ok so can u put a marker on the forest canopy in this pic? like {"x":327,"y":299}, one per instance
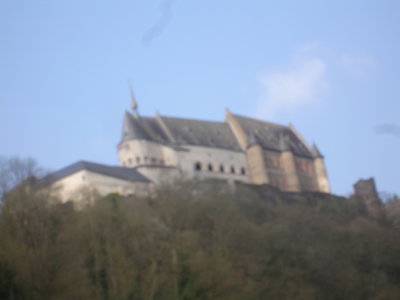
{"x":198,"y":241}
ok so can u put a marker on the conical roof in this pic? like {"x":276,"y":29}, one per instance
{"x":131,"y":128}
{"x":315,"y":151}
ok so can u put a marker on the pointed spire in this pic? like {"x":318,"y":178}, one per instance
{"x":134,"y":103}
{"x":315,"y":151}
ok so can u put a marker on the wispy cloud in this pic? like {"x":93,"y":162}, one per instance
{"x":157,"y":29}
{"x":388,"y":128}
{"x":297,"y":85}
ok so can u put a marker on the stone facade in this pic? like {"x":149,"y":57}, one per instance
{"x":161,"y":150}
{"x":238,"y":149}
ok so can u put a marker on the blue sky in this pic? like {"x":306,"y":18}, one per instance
{"x":329,"y":67}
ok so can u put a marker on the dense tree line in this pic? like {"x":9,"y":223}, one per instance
{"x":198,"y":241}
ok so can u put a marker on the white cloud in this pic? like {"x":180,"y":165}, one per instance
{"x":297,"y":85}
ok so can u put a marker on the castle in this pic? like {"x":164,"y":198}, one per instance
{"x":157,"y":150}
{"x":239,"y":148}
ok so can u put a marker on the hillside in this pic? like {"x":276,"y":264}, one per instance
{"x":199,"y":241}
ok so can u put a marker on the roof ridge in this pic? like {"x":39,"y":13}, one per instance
{"x":259,"y":120}
{"x":128,"y":173}
{"x":195,"y":120}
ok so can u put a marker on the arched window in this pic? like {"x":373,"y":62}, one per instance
{"x":210,"y":167}
{"x":221,"y":168}
{"x":197,"y":166}
{"x":243,"y":171}
{"x":232,"y":169}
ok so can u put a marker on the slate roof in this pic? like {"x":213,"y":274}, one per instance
{"x":183,"y":131}
{"x":202,"y":133}
{"x":214,"y":134}
{"x":273,"y":136}
{"x":142,"y":128}
{"x":315,"y":151}
{"x":112,"y":171}
{"x":131,"y":128}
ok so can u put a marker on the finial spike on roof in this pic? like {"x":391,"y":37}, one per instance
{"x":134,"y":103}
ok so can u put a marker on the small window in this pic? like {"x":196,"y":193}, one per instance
{"x":161,"y":161}
{"x":210,"y":167}
{"x":130,"y":161}
{"x":146,"y":158}
{"x":197,"y":166}
{"x":153,"y":160}
{"x":232,"y":169}
{"x":243,"y":171}
{"x":138,"y":159}
{"x":221,"y":168}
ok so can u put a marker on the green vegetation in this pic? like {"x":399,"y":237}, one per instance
{"x":198,"y":241}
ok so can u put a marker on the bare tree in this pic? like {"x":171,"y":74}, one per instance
{"x":14,"y":171}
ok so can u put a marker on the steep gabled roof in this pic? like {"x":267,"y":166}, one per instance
{"x":111,"y":171}
{"x":181,"y":131}
{"x":274,"y":137}
{"x":201,"y":133}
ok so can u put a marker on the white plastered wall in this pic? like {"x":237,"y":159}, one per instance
{"x":75,"y":186}
{"x":72,"y":187}
{"x":105,"y":185}
{"x":146,"y":151}
{"x":216,"y":157}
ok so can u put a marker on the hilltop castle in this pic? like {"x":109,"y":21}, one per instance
{"x":156,"y":150}
{"x":239,"y":148}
